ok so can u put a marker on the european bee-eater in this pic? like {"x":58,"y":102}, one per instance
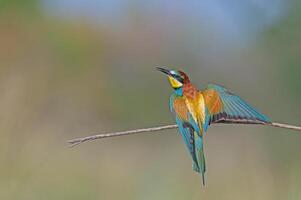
{"x":195,"y":110}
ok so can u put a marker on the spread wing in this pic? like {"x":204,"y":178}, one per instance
{"x":223,"y":106}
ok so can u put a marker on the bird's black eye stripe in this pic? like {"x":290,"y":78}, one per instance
{"x":178,"y":77}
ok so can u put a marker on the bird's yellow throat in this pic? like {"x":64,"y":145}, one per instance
{"x":174,"y":82}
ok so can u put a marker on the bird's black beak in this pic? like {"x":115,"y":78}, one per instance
{"x":165,"y":71}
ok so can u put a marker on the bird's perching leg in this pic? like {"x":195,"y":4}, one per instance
{"x":77,"y":141}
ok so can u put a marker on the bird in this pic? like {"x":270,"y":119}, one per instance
{"x":195,"y":110}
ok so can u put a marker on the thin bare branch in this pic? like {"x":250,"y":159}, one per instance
{"x":77,"y":141}
{"x":287,"y":126}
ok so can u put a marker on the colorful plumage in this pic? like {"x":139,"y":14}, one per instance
{"x":195,"y":110}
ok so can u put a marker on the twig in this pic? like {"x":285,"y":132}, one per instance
{"x":287,"y":126}
{"x":77,"y":141}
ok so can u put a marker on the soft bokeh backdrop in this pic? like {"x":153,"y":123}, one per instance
{"x":71,"y":68}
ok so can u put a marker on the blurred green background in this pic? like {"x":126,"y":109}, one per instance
{"x":74,"y":68}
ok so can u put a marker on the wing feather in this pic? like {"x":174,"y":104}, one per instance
{"x":226,"y":107}
{"x":179,"y":109}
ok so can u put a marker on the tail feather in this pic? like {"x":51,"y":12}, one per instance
{"x":202,"y":165}
{"x":195,"y":167}
{"x":200,"y":157}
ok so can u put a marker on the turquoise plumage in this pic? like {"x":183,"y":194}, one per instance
{"x":235,"y":109}
{"x":195,"y":110}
